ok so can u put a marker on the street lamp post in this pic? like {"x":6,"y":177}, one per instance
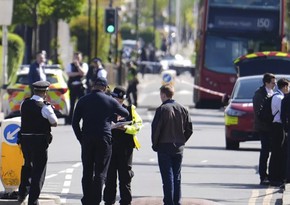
{"x":6,"y":10}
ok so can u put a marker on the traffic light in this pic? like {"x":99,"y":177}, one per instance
{"x":110,"y":20}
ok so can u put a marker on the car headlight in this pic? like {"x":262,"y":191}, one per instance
{"x":233,"y":112}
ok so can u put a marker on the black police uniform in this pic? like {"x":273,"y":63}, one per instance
{"x":34,"y":139}
{"x":96,"y":111}
{"x":121,"y":161}
{"x":76,"y":91}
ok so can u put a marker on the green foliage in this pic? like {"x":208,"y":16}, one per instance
{"x":126,"y":31}
{"x":147,"y":35}
{"x":79,"y":32}
{"x":79,"y":29}
{"x":26,"y":12}
{"x":16,"y":48}
{"x":66,"y":9}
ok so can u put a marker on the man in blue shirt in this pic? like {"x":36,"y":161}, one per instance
{"x":96,"y":111}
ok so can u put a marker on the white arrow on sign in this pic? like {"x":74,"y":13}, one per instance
{"x":10,"y":135}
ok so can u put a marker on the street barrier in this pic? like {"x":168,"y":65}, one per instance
{"x":11,"y":159}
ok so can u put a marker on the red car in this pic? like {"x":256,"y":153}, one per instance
{"x":239,"y":114}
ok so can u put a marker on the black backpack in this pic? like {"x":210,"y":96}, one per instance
{"x":265,"y":112}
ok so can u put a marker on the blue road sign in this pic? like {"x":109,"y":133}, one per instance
{"x":11,"y":133}
{"x":167,"y":78}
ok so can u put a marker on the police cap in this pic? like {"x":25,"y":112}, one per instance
{"x":101,"y":81}
{"x":119,"y":92}
{"x":41,"y":85}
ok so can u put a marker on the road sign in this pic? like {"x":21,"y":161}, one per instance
{"x":11,"y":159}
{"x":168,"y":77}
{"x":11,"y":133}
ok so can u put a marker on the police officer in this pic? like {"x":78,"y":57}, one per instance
{"x":76,"y":71}
{"x":95,"y":70}
{"x":132,"y":84}
{"x":96,"y":111}
{"x":124,"y":141}
{"x":37,"y":118}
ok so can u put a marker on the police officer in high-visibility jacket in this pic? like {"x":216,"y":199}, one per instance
{"x":37,"y":118}
{"x":124,"y":141}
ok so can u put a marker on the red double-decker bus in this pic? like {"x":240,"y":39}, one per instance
{"x":227,"y":29}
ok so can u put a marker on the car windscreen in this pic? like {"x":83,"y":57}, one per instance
{"x":276,"y":65}
{"x":23,"y":79}
{"x":245,"y":89}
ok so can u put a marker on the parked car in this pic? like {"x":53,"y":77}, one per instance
{"x":176,"y":62}
{"x":18,"y":89}
{"x":239,"y":114}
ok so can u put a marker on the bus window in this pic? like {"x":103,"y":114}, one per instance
{"x":220,"y":53}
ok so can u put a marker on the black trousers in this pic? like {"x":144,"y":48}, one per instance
{"x":34,"y":149}
{"x":121,"y":166}
{"x":264,"y":153}
{"x":96,"y":155}
{"x":75,"y":92}
{"x":277,"y":164}
{"x":132,"y":99}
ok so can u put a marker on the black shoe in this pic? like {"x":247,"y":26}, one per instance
{"x":265,"y":182}
{"x":20,"y":199}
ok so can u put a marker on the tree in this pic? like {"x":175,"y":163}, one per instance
{"x":36,"y":12}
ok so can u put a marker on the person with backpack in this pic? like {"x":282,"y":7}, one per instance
{"x":277,"y":164}
{"x":263,"y":128}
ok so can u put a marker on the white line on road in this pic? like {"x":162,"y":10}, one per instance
{"x":253,"y":198}
{"x":268,"y":197}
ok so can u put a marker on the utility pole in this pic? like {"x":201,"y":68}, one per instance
{"x":89,"y":29}
{"x":177,"y":25}
{"x":96,"y":28}
{"x":169,"y":25}
{"x":137,"y":19}
{"x":154,"y":23}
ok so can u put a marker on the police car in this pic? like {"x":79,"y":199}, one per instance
{"x":18,"y":89}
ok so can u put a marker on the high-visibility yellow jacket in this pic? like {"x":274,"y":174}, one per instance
{"x":135,"y":127}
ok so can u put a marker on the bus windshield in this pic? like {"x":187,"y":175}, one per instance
{"x":220,"y":51}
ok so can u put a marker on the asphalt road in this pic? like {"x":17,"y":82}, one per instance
{"x":210,"y":174}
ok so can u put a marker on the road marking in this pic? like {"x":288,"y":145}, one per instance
{"x":51,"y":176}
{"x":253,"y":198}
{"x":268,"y":197}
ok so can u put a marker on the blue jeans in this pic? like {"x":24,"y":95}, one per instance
{"x":170,"y":169}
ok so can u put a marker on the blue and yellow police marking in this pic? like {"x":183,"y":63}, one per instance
{"x":11,"y":159}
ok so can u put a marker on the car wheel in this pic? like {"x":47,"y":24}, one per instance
{"x":230,"y":145}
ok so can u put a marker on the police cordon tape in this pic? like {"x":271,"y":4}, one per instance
{"x":206,"y":90}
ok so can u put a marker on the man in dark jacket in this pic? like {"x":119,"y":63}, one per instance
{"x":36,"y":70}
{"x":96,"y":111}
{"x":171,"y":128}
{"x":263,"y":129}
